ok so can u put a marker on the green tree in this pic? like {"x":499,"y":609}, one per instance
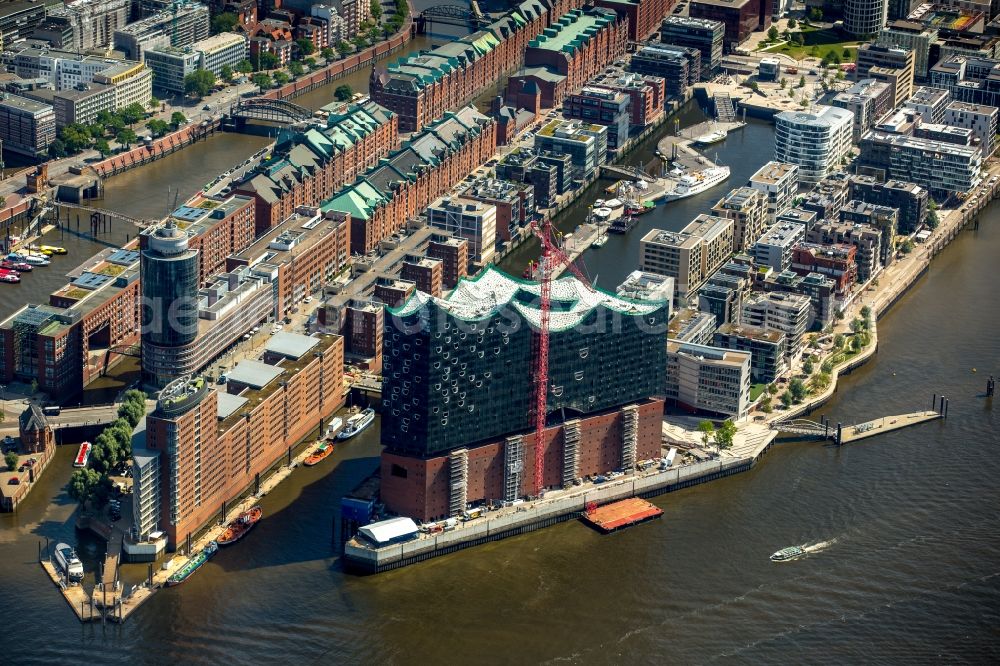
{"x":857,"y":325}
{"x":802,"y":81}
{"x":815,"y":14}
{"x":199,"y":83}
{"x":296,"y":69}
{"x":82,"y":485}
{"x":376,"y":8}
{"x":224,"y":22}
{"x":157,"y":127}
{"x":262,"y":80}
{"x":310,"y":62}
{"x":116,"y":124}
{"x":787,"y":399}
{"x":75,"y":137}
{"x":343,"y":93}
{"x":807,"y":367}
{"x":305,"y":47}
{"x":725,"y":434}
{"x":783,"y":82}
{"x":244,"y":66}
{"x":96,"y":129}
{"x":866,"y":313}
{"x":264,"y":60}
{"x":131,"y":412}
{"x":11,"y":459}
{"x":826,"y":367}
{"x":58,"y":149}
{"x":819,"y":382}
{"x":767,"y":408}
{"x":153,"y":103}
{"x":126,"y":137}
{"x":803,"y":102}
{"x":104,"y":117}
{"x":177,"y":119}
{"x":280,"y":77}
{"x":846,"y":53}
{"x":932,"y":220}
{"x":772,"y":32}
{"x":772,"y":388}
{"x":226,"y":73}
{"x":359,"y":41}
{"x":343,"y":48}
{"x":707,"y":430}
{"x":792,"y":23}
{"x":135,"y":396}
{"x":327,"y":53}
{"x":102,"y":146}
{"x":840,"y":75}
{"x":133,"y":113}
{"x":798,"y":389}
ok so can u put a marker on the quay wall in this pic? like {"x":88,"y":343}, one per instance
{"x":531,"y":518}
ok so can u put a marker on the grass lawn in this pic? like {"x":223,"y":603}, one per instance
{"x":756,"y":390}
{"x":818,"y":43}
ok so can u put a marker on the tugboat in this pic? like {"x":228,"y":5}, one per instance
{"x":238,"y":529}
{"x":69,"y":563}
{"x":319,"y":455}
{"x":786,"y":554}
{"x":193,"y":564}
{"x":357,"y":423}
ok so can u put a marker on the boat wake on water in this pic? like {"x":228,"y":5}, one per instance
{"x":795,"y":552}
{"x":818,"y":547}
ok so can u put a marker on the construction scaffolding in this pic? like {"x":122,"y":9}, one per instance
{"x":458,"y":478}
{"x":571,"y":452}
{"x":630,"y":437}
{"x":513,"y":467}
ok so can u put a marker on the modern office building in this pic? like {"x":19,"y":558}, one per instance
{"x":708,"y":379}
{"x":815,"y":141}
{"x":514,"y":202}
{"x":688,"y":256}
{"x":767,"y":349}
{"x":911,"y":35}
{"x":91,"y":23}
{"x":600,"y":106}
{"x":979,"y":118}
{"x":819,"y":289}
{"x":472,"y":220}
{"x":640,"y":286}
{"x":647,"y":93}
{"x":27,"y":127}
{"x":929,"y":103}
{"x":774,"y":248}
{"x":183,"y":24}
{"x":170,"y":291}
{"x":170,"y":65}
{"x":943,"y":168}
{"x":209,"y":444}
{"x":221,"y":50}
{"x":706,"y":35}
{"x":18,"y":19}
{"x":865,"y":18}
{"x":869,"y":101}
{"x":909,"y":199}
{"x":692,"y":325}
{"x":458,"y":390}
{"x":890,"y":64}
{"x":747,"y":208}
{"x":585,"y":143}
{"x":790,"y":314}
{"x":716,"y":236}
{"x":82,"y":103}
{"x":131,"y":81}
{"x":741,"y":17}
{"x":779,"y":181}
{"x":679,"y":66}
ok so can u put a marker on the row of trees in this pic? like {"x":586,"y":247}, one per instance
{"x":111,"y":449}
{"x":723,"y":435}
{"x":107,"y":125}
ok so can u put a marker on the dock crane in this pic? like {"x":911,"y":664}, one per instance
{"x":552,"y":258}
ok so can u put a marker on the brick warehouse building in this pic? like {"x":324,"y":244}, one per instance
{"x":644,"y":16}
{"x":422,"y":87}
{"x":458,"y":392}
{"x":208,"y":446}
{"x":405,"y":183}
{"x":567,"y":54}
{"x":308,"y":167}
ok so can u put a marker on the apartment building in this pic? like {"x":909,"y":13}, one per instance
{"x":600,"y":106}
{"x":708,"y":379}
{"x":979,"y":118}
{"x":182,"y":25}
{"x":747,"y":208}
{"x":942,"y":168}
{"x":779,"y":182}
{"x":475,"y":221}
{"x":814,"y":141}
{"x":774,"y":248}
{"x":706,"y":35}
{"x":909,"y":199}
{"x":27,"y":127}
{"x":768,"y":350}
{"x":869,"y":101}
{"x":789,"y":314}
{"x":585,"y":143}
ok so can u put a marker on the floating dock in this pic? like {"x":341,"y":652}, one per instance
{"x":621,"y":514}
{"x":74,"y":595}
{"x":885,"y":424}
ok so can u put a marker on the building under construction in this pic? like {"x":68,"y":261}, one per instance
{"x":460,"y":384}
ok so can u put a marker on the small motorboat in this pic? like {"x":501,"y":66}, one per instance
{"x":357,"y":423}
{"x":321,"y":453}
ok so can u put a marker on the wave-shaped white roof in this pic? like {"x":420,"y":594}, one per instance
{"x":480,"y":297}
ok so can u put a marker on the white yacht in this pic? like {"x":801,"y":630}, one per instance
{"x":697,"y":182}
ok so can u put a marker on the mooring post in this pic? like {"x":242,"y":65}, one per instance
{"x":933,"y":402}
{"x":945,"y":409}
{"x":941,"y":407}
{"x":840,"y":434}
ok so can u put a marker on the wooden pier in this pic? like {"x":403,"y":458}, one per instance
{"x":79,"y":601}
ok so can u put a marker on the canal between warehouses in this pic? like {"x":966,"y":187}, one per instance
{"x":905,"y":564}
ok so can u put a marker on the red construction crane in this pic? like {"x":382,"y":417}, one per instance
{"x":552,"y":258}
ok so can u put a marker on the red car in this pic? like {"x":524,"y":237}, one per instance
{"x":9,"y":276}
{"x":18,"y":266}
